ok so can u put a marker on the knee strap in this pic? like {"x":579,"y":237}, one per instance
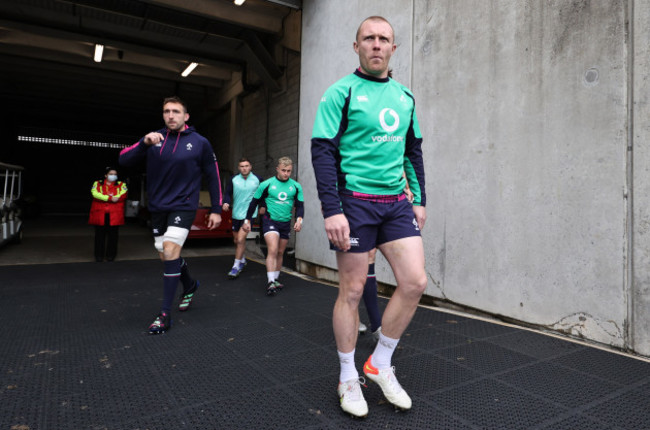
{"x":176,"y":235}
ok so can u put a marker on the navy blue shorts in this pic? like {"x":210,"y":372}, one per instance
{"x":236,"y":224}
{"x":374,"y":223}
{"x":283,"y":228}
{"x":161,"y":220}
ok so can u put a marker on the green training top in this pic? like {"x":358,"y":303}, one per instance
{"x":280,"y":198}
{"x":365,"y":137}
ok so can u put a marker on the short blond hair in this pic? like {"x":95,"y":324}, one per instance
{"x":375,"y":18}
{"x":285,"y":161}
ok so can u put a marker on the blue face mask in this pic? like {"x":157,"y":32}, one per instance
{"x":112,"y":178}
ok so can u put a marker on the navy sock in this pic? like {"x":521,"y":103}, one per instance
{"x":186,"y":279}
{"x":370,"y":299}
{"x":171,"y":277}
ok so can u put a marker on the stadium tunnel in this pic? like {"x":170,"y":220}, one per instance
{"x":66,"y":116}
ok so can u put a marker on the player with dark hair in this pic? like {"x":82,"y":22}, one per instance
{"x":238,"y":196}
{"x":176,"y":159}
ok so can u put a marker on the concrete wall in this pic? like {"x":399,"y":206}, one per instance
{"x":640,"y":142}
{"x":534,"y":210}
{"x":269,"y":122}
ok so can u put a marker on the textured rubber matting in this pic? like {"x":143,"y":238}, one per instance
{"x":75,"y":354}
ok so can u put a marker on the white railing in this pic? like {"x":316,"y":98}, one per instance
{"x":12,"y":190}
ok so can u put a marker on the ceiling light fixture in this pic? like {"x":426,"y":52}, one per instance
{"x":99,"y":51}
{"x":189,"y":69}
{"x":239,"y":2}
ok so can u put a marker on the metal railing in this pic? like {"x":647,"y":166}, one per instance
{"x":12,"y":190}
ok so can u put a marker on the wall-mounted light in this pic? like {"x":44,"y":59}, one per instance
{"x":99,"y":51}
{"x":189,"y":69}
{"x":239,"y":2}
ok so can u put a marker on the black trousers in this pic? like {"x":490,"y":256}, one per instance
{"x":106,"y":240}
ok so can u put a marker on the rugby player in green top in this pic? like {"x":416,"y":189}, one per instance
{"x":365,"y":138}
{"x":280,"y":194}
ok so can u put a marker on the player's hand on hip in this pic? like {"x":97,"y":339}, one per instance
{"x":214,"y":220}
{"x":409,"y":195}
{"x":153,"y":138}
{"x":338,"y":231}
{"x":420,"y":215}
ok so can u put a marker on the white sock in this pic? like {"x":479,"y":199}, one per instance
{"x":243,"y":261}
{"x":384,"y":351}
{"x":276,"y":275}
{"x":269,"y":276}
{"x":235,"y":264}
{"x":348,"y":369}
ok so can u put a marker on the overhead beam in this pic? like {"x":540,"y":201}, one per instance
{"x":114,"y":38}
{"x":294,"y":4}
{"x":117,"y":56}
{"x":157,"y":29}
{"x":252,"y":14}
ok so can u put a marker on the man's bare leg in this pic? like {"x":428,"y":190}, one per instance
{"x":406,"y":258}
{"x":240,"y":243}
{"x":279,"y":259}
{"x":272,"y":246}
{"x":239,"y":238}
{"x":352,"y":276}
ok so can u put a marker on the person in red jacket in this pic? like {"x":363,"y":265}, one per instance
{"x":107,"y":213}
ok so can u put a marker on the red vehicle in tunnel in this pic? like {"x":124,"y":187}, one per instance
{"x":199,"y":229}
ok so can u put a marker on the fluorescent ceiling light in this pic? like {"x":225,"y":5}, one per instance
{"x":99,"y":51}
{"x":189,"y":69}
{"x":239,"y":2}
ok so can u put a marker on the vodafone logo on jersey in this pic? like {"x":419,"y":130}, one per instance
{"x":389,"y":121}
{"x":382,"y":120}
